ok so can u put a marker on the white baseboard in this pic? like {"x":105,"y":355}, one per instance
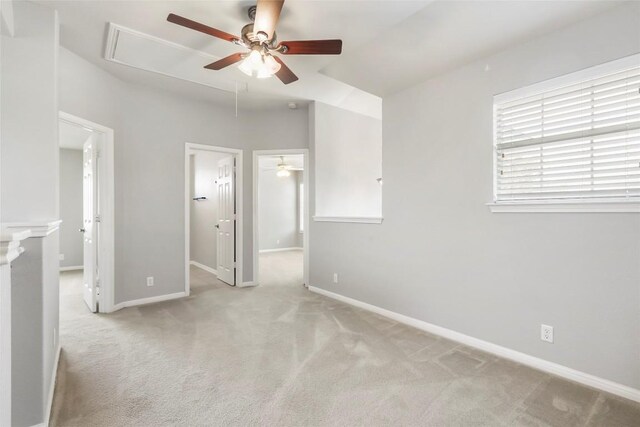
{"x":72,"y":268}
{"x":52,"y":387}
{"x":204,"y":267}
{"x":507,"y":353}
{"x":150,"y":300}
{"x":361,"y":219}
{"x":266,"y":251}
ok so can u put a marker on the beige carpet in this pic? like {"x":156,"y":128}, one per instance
{"x":280,"y":355}
{"x":282,"y":269}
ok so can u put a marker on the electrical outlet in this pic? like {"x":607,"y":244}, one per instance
{"x":61,"y":257}
{"x":546,"y":333}
{"x":335,"y":277}
{"x":277,"y":242}
{"x":149,"y":281}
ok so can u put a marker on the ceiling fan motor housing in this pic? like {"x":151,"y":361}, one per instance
{"x":252,"y":12}
{"x":249,"y":38}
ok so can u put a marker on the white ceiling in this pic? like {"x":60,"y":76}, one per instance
{"x":141,"y":51}
{"x":388,"y":44}
{"x":447,"y":34}
{"x":72,"y":136}
{"x":296,"y":161}
{"x":84,"y":28}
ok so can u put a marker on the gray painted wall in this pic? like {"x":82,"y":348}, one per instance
{"x":27,"y":390}
{"x":204,"y":213}
{"x":441,"y":256}
{"x":29,"y":116}
{"x":278,"y":210}
{"x":34,"y":340}
{"x":29,"y":192}
{"x":348,"y":157}
{"x":151,"y":129}
{"x":71,"y":245}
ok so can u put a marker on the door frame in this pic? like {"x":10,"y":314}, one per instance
{"x":189,"y":149}
{"x":256,"y":223}
{"x":105,"y":248}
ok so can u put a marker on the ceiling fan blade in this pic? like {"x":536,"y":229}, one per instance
{"x":313,"y":47}
{"x":201,"y":27}
{"x":224,"y":62}
{"x":285,"y":75}
{"x":267,"y":15}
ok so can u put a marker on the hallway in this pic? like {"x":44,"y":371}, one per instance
{"x":283,"y":269}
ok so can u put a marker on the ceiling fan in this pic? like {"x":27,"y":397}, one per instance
{"x":284,"y":169}
{"x":260,"y":38}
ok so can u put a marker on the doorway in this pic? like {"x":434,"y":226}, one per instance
{"x":280,"y":217}
{"x":86,"y":209}
{"x":213,"y":213}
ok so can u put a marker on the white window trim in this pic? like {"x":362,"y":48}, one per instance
{"x":569,"y":205}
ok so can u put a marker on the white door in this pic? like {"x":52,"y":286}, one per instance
{"x":226,"y":221}
{"x":89,"y":229}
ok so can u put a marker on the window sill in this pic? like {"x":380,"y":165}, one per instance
{"x":362,"y":220}
{"x":566,"y":207}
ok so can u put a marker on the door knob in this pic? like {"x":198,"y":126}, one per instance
{"x":82,"y":230}
{"x":217,"y":225}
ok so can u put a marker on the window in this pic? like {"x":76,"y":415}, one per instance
{"x":576,"y":138}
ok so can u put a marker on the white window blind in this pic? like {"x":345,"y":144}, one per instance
{"x":580,"y":141}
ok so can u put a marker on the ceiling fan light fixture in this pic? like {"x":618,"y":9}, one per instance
{"x":251,"y":63}
{"x":283,"y":168}
{"x":271,"y":63}
{"x":255,"y":58}
{"x":259,"y":64}
{"x":263,"y":73}
{"x":246,"y":68}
